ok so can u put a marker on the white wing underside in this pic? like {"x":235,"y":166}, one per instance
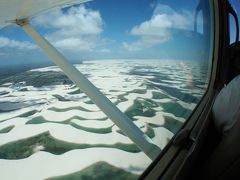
{"x":10,"y":10}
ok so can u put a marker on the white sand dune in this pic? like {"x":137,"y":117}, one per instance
{"x":158,"y":119}
{"x":162,"y":136}
{"x":93,"y":123}
{"x":71,"y":104}
{"x":43,"y":165}
{"x":18,"y":121}
{"x":63,"y":132}
{"x":72,"y":117}
{"x":8,"y":115}
{"x":124,"y":106}
{"x":63,"y":116}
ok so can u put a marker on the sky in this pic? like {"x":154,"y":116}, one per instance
{"x":111,"y":29}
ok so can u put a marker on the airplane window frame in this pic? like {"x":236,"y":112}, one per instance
{"x":171,"y":147}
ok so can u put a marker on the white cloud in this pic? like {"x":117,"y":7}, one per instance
{"x":10,"y":43}
{"x":77,"y":29}
{"x":157,"y":30}
{"x":105,"y":50}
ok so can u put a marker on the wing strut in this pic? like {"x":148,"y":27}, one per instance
{"x":120,"y":119}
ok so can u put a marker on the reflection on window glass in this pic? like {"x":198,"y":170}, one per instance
{"x":150,"y":58}
{"x":236,"y":6}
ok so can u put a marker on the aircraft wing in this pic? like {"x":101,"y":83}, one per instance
{"x":11,"y":10}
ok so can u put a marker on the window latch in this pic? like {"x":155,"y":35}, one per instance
{"x":182,"y":139}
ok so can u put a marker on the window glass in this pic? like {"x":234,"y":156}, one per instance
{"x":151,"y":58}
{"x":236,"y":6}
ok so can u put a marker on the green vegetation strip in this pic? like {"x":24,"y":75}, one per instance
{"x":7,"y":129}
{"x":68,"y":109}
{"x":40,"y":120}
{"x":45,"y":142}
{"x":176,"y":109}
{"x":93,"y":130}
{"x":170,"y":124}
{"x":26,"y":114}
{"x":150,"y":132}
{"x":158,"y":95}
{"x":96,"y":171}
{"x":142,"y":107}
